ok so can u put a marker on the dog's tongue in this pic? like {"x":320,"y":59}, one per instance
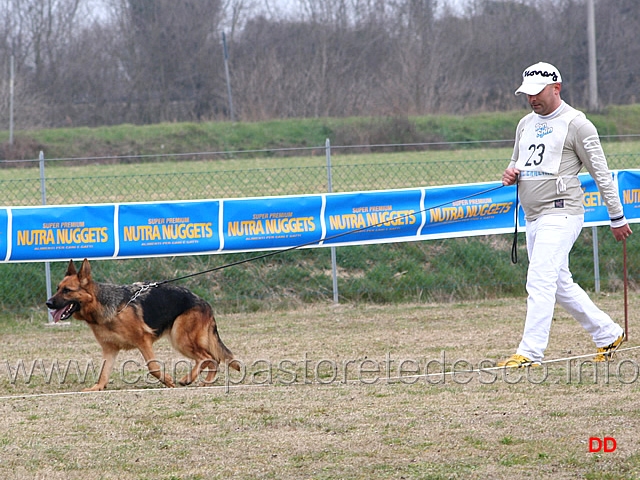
{"x":57,"y":314}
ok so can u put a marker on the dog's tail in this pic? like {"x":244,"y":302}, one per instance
{"x":219,"y":350}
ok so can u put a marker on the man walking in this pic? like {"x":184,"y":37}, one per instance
{"x":552,"y":144}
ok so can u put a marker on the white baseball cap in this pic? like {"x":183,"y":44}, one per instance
{"x":538,"y":76}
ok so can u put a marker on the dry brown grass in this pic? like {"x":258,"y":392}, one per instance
{"x":496,"y":426}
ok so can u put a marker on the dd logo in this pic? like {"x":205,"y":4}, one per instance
{"x":606,"y":444}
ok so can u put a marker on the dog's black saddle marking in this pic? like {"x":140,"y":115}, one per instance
{"x":163,"y":303}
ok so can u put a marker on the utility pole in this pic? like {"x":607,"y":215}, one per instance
{"x":593,"y":71}
{"x":226,"y":71}
{"x":11,"y":82}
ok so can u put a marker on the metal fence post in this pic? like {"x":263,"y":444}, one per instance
{"x":47,"y":267}
{"x":334,"y":268}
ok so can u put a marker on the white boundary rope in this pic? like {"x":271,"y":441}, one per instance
{"x":243,"y":386}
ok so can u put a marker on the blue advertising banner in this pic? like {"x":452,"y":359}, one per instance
{"x":466,"y":210}
{"x":272,"y":223}
{"x":4,"y":233}
{"x":629,"y":188}
{"x":595,"y":211}
{"x":373,"y":216}
{"x":154,"y":229}
{"x":53,"y":233}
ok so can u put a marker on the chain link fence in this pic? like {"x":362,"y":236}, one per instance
{"x":87,"y":185}
{"x":422,"y":271}
{"x":254,"y":182}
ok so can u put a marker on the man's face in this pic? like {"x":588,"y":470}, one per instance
{"x":546,"y":101}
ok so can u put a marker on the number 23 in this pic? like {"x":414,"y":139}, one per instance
{"x":533,"y":158}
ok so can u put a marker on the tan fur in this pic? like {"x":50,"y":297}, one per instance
{"x":118,"y":325}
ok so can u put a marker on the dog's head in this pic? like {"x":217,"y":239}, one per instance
{"x":72,"y":293}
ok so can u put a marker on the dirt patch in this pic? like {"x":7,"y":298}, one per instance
{"x":328,"y":392}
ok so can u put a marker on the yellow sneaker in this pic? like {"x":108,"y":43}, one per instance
{"x":605,"y":354}
{"x":518,"y":361}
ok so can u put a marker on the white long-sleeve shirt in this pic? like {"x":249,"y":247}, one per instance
{"x":547,"y":193}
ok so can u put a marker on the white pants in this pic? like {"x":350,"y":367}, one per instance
{"x":549,"y":241}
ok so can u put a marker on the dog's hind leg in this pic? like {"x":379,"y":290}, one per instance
{"x":155,"y":367}
{"x":205,"y":364}
{"x":195,"y":348}
{"x":212,"y":371}
{"x":190,"y":336}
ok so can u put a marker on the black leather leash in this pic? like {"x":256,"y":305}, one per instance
{"x":514,"y":245}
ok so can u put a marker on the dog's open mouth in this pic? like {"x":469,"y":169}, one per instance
{"x":64,"y":312}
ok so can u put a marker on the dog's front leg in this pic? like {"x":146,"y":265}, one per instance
{"x":109,"y":354}
{"x":155,"y":367}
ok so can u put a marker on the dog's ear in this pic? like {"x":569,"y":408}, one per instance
{"x":85,"y":272}
{"x":71,"y":269}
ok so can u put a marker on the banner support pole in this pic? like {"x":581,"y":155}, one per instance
{"x":334,"y":266}
{"x":47,"y":266}
{"x":626,"y":288}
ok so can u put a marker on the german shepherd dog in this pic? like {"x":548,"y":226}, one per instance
{"x":123,"y":317}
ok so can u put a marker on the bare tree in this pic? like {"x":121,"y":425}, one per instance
{"x":36,"y":33}
{"x":167,"y":55}
{"x":617,"y":43}
{"x":146,"y":61}
{"x":42,"y":30}
{"x":29,"y":110}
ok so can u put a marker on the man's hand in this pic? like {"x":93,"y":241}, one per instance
{"x":510,"y":176}
{"x":622,"y":232}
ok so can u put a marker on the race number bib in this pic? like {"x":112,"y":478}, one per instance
{"x":541,"y":142}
